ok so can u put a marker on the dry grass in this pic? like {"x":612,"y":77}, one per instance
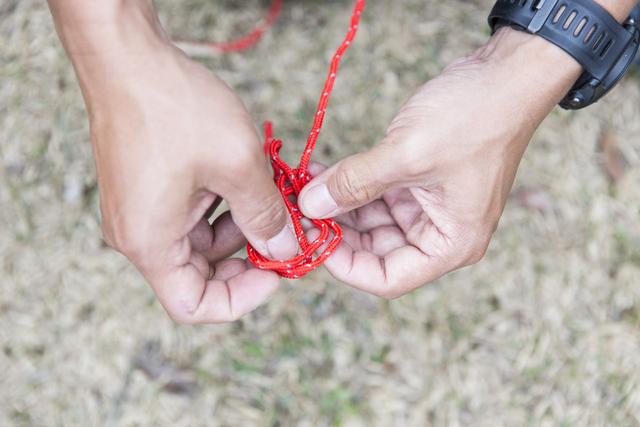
{"x":544,"y":332}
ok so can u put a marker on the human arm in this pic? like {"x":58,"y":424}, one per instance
{"x":426,"y":200}
{"x":171,"y":140}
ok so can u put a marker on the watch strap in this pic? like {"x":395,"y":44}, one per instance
{"x":582,"y":28}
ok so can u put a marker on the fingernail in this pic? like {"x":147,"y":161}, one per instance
{"x":318,"y":203}
{"x":283,"y":245}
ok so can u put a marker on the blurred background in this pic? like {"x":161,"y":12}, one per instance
{"x":544,"y":332}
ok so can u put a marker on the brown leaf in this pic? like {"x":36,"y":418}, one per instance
{"x":613,"y":161}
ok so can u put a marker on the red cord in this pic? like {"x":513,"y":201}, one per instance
{"x":247,"y":41}
{"x":290,"y":181}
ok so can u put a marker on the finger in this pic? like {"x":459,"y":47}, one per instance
{"x":201,"y":264}
{"x":201,"y":236}
{"x":390,"y":276}
{"x":388,"y":264}
{"x":259,"y":212}
{"x":190,"y":298}
{"x":228,"y":239}
{"x":218,"y":240}
{"x":404,"y":208}
{"x":351,"y":183}
{"x":229,"y":268}
{"x":379,"y":241}
{"x":372,"y":215}
{"x":375,"y":214}
{"x":228,"y":300}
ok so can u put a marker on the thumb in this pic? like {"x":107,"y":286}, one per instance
{"x":349,"y":184}
{"x":259,"y":212}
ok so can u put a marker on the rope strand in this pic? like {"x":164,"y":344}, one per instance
{"x":290,"y":181}
{"x":239,"y":44}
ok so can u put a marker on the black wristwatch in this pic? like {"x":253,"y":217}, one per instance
{"x":586,"y":31}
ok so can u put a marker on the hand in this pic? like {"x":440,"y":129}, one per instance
{"x":427,"y":199}
{"x":171,"y":141}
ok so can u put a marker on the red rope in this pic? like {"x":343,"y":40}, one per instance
{"x":247,"y":41}
{"x":290,"y":181}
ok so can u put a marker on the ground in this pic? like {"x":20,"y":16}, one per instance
{"x":543,"y":332}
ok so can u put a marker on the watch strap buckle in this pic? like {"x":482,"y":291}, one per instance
{"x":544,"y":10}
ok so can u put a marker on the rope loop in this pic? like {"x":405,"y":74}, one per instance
{"x":290,"y":182}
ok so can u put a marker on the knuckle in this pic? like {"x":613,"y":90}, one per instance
{"x":477,"y":249}
{"x":395,"y":152}
{"x":412,"y":166}
{"x":107,"y":236}
{"x":243,"y":161}
{"x":184,"y":318}
{"x":476,"y":256}
{"x":122,"y":238}
{"x":181,"y":318}
{"x":389,"y":293}
{"x":187,"y":317}
{"x":129,"y":247}
{"x":231,"y":317}
{"x":105,"y":227}
{"x":268,"y":221}
{"x":350,"y":186}
{"x":181,"y":313}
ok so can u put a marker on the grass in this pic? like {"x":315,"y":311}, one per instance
{"x":543,"y":332}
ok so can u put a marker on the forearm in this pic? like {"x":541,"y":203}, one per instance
{"x":106,"y":26}
{"x":534,"y":71}
{"x":109,"y":42}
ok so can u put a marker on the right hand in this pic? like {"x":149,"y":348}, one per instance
{"x":171,"y":141}
{"x":426,"y":200}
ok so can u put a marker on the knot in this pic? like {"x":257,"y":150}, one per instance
{"x":290,"y":181}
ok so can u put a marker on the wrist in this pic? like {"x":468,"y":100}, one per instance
{"x":619,"y":9}
{"x":108,"y":40}
{"x":105,"y":27}
{"x":534,"y":72}
{"x":544,"y":60}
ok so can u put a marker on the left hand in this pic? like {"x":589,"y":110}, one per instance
{"x":171,"y":140}
{"x":427,"y":199}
